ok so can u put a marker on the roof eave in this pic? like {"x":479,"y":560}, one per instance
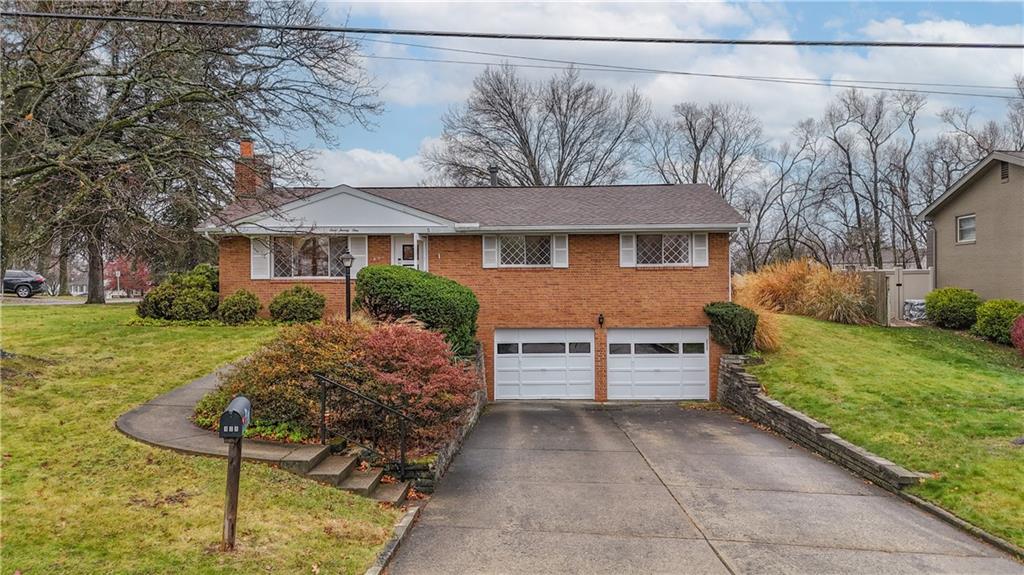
{"x":927,"y":213}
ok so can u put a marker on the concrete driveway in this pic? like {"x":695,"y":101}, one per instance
{"x":571,"y":487}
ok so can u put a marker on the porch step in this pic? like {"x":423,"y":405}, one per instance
{"x":362,"y":482}
{"x":393,"y":493}
{"x":333,"y":469}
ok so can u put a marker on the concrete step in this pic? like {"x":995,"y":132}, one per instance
{"x":333,"y":470}
{"x":362,"y":482}
{"x":305,"y":458}
{"x":393,"y":493}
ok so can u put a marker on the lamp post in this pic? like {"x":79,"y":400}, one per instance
{"x":347,"y":259}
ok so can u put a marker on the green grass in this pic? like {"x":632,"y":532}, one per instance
{"x":931,"y":400}
{"x":79,"y":497}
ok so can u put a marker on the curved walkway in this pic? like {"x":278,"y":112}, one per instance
{"x":166,"y":421}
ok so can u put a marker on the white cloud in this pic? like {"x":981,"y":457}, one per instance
{"x":779,"y":106}
{"x":360,"y":167}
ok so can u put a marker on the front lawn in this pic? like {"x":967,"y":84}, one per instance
{"x":79,"y":497}
{"x":930,"y":400}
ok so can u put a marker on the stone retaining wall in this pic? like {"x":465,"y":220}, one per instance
{"x":743,"y":393}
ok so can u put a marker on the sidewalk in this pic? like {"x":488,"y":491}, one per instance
{"x":166,"y":421}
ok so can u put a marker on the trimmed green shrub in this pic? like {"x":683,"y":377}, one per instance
{"x":210,"y":273}
{"x":995,"y":319}
{"x":192,"y":305}
{"x":391,"y":292}
{"x":298,"y":304}
{"x":952,"y":307}
{"x":157,"y":302}
{"x":239,"y":307}
{"x":200,"y":296}
{"x":732,"y":325}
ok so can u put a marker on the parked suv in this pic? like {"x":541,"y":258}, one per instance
{"x":23,"y":283}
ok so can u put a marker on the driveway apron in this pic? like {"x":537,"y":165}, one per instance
{"x":562,"y":487}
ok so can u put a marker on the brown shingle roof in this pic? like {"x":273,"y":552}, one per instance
{"x":269,"y":199}
{"x":618,"y":205}
{"x":684,"y":204}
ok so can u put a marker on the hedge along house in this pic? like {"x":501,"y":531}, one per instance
{"x":590,"y":293}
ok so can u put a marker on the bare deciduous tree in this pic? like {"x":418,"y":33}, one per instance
{"x":561,"y":132}
{"x":717,"y":144}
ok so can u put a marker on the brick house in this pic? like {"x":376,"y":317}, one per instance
{"x":585,"y":292}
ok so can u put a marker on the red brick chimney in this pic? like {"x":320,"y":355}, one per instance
{"x":252,"y":173}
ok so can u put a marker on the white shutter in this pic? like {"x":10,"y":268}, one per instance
{"x":560,"y":251}
{"x":627,"y":250}
{"x":490,"y":244}
{"x":357,"y":247}
{"x":700,"y":250}
{"x":259,"y":257}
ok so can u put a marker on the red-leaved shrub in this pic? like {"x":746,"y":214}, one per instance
{"x":1017,"y":334}
{"x":399,"y":365}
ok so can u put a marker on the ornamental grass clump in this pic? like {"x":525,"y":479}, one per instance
{"x":805,"y":287}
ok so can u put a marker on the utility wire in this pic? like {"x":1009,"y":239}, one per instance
{"x":588,"y":68}
{"x":514,"y":36}
{"x":773,"y":79}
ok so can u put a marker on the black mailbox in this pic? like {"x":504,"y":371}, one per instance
{"x":235,"y":418}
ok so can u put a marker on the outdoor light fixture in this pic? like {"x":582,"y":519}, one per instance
{"x":600,"y":319}
{"x":347,"y":259}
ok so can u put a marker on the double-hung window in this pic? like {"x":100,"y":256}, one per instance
{"x":308,"y":256}
{"x":965,"y":230}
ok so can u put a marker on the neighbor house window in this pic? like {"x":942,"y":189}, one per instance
{"x":515,"y":250}
{"x":308,"y":256}
{"x":662,"y":249}
{"x":965,"y":229}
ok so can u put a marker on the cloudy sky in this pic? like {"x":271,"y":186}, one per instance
{"x":416,"y":94}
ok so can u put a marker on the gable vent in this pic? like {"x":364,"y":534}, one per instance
{"x":1004,"y":171}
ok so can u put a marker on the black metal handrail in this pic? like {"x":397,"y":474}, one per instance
{"x":404,"y":420}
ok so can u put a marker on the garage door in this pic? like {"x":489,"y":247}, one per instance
{"x":544,"y":364}
{"x":658,"y":363}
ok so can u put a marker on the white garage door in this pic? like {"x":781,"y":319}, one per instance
{"x":544,"y":364}
{"x":658,"y":363}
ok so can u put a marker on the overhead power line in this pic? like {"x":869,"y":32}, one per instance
{"x":626,"y":69}
{"x":516,"y":36}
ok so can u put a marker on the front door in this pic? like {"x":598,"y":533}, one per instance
{"x":409,"y":251}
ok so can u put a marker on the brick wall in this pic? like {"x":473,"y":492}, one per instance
{"x":742,"y":392}
{"x":234,"y":274}
{"x":593,"y":284}
{"x":572,"y":297}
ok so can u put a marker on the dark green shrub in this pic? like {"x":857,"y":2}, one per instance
{"x":952,"y":307}
{"x":995,"y":319}
{"x":732,"y":325}
{"x":157,"y":302}
{"x":298,"y":304}
{"x":192,"y":304}
{"x":210,"y":273}
{"x":239,"y":307}
{"x":161,"y":302}
{"x":391,"y":292}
